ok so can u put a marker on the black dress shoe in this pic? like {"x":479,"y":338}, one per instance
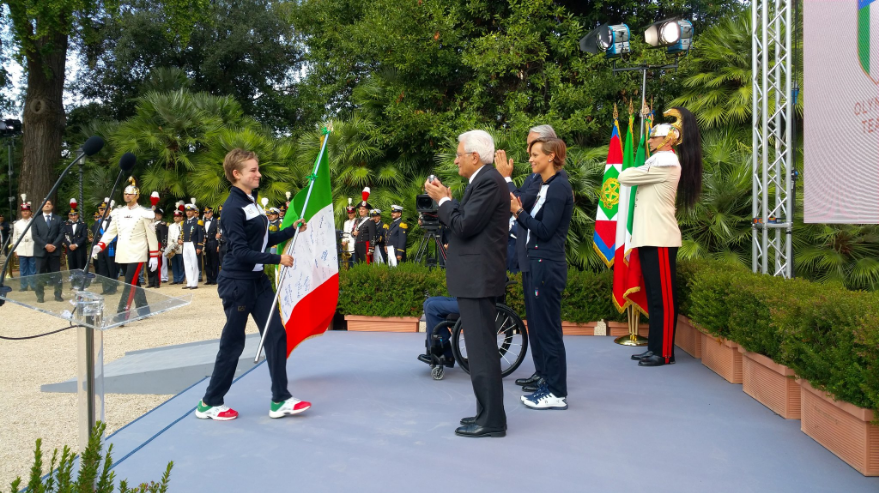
{"x":468,"y":421}
{"x":40,"y":300}
{"x":654,"y":360}
{"x":424,"y":358}
{"x":59,"y":298}
{"x":476,"y":431}
{"x":528,"y":381}
{"x":532,"y":387}
{"x":645,"y":354}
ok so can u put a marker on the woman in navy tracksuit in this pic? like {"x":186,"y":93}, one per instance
{"x":245,"y":290}
{"x":545,"y":228}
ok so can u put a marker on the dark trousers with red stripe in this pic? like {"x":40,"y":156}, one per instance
{"x":130,"y":295}
{"x":658,"y":266}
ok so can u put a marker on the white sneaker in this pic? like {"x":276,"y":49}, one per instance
{"x":290,"y":406}
{"x":219,"y":413}
{"x":545,"y":400}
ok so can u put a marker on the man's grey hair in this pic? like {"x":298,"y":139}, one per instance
{"x":480,"y":142}
{"x":544,"y":132}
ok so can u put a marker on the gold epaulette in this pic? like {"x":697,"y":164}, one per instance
{"x":200,"y":222}
{"x":403,"y":225}
{"x":387,"y":227}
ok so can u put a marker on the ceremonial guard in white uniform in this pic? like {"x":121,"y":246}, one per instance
{"x":137,"y":244}
{"x":348,"y":227}
{"x":381,"y":231}
{"x":27,"y":265}
{"x":174,"y":250}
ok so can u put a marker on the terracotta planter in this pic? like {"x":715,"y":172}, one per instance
{"x":723,"y":357}
{"x":359,"y":323}
{"x":575,"y":329}
{"x":617,"y":329}
{"x":688,"y":338}
{"x":842,"y":428}
{"x":771,"y":384}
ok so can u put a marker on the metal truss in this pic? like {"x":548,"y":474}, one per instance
{"x":773,"y":153}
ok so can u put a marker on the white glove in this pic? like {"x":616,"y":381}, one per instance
{"x":95,"y":251}
{"x":154,"y":264}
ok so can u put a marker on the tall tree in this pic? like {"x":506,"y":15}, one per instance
{"x":42,"y":31}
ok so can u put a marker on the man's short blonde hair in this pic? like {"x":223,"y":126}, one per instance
{"x":235,"y":161}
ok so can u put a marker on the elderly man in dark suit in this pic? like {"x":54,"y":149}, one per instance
{"x":48,"y":236}
{"x":476,"y":272}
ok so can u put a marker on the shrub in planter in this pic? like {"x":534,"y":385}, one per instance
{"x":379,"y":291}
{"x":587,"y":297}
{"x":709,"y":291}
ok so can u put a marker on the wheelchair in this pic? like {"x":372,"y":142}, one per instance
{"x":512,"y":339}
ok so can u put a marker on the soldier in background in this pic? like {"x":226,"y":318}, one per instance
{"x":105,"y":263}
{"x":27,"y":264}
{"x":75,"y":238}
{"x":5,"y":241}
{"x":174,"y":248}
{"x":274,"y":216}
{"x":397,"y":233}
{"x":348,"y":228}
{"x":381,"y":229}
{"x":161,"y":274}
{"x":221,"y":236}
{"x":137,"y":248}
{"x":193,"y":243}
{"x":211,"y":247}
{"x":364,"y":235}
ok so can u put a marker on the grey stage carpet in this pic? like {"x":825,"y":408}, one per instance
{"x":380,"y":423}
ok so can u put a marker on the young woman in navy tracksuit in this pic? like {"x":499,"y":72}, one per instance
{"x":245,"y":290}
{"x":544,"y":229}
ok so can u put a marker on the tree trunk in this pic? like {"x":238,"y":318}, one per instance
{"x":43,"y":116}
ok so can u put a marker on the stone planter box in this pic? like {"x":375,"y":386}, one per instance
{"x":575,"y":329}
{"x":360,"y":323}
{"x":688,"y":338}
{"x":771,"y":384}
{"x":617,"y":329}
{"x":842,"y":428}
{"x":723,"y":357}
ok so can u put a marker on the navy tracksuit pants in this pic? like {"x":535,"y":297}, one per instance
{"x":658,"y":266}
{"x":242,"y":298}
{"x":543,"y":286}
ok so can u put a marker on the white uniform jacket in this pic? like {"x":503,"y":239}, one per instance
{"x":137,"y":237}
{"x":349,"y":226}
{"x":174,"y":233}
{"x":26,"y":247}
{"x":654,"y":222}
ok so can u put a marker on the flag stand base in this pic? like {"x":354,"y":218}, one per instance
{"x":632,"y":338}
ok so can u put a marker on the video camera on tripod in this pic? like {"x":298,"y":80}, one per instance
{"x":428,"y":214}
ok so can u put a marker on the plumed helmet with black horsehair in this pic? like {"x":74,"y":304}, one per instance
{"x":673,"y":132}
{"x":131,"y":189}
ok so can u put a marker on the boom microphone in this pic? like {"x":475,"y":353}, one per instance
{"x":92,"y":146}
{"x":127,"y":162}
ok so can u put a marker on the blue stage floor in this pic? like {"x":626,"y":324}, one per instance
{"x":380,"y":423}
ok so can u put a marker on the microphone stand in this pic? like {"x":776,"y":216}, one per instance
{"x":6,"y":289}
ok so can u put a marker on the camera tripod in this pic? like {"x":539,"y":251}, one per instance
{"x":438,"y":255}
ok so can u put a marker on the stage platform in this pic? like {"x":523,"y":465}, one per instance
{"x":380,"y":423}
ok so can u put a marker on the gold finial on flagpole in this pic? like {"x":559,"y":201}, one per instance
{"x":616,"y":114}
{"x":631,"y":107}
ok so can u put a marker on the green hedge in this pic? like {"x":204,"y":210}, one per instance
{"x":378,"y":291}
{"x":827,"y":334}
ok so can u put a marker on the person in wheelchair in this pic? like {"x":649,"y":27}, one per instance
{"x":436,"y":310}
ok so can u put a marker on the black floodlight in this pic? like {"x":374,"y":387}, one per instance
{"x":612,"y":40}
{"x":674,"y":34}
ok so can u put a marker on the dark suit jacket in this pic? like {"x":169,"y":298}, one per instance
{"x":528,"y":194}
{"x":476,"y":265}
{"x":549,"y":227}
{"x":79,"y":238}
{"x":45,"y":234}
{"x":210,"y":233}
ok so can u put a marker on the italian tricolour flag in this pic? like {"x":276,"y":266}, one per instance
{"x":868,"y":37}
{"x":604,"y":238}
{"x":309,"y":291}
{"x":628,"y":283}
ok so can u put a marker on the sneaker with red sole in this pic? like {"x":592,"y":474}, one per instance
{"x":219,"y":413}
{"x":290,"y":406}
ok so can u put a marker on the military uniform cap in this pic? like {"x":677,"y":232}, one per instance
{"x":208,"y":209}
{"x":396,"y":208}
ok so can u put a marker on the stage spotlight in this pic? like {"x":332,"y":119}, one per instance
{"x":612,"y":40}
{"x":10,"y":128}
{"x":674,"y":34}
